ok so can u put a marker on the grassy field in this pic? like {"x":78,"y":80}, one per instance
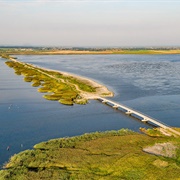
{"x":107,"y":155}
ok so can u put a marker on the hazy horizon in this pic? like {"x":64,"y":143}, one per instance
{"x":90,"y":23}
{"x":89,"y":47}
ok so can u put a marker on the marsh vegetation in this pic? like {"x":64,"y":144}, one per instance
{"x":65,"y":89}
{"x":100,"y":155}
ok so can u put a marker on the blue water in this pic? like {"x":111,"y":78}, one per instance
{"x":148,"y":83}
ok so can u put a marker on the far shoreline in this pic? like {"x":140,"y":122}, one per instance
{"x":88,"y":51}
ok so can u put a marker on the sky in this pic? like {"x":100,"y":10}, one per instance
{"x":107,"y":23}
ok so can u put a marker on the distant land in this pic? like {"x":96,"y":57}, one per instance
{"x":29,"y":50}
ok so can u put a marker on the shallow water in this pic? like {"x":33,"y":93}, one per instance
{"x":147,"y":83}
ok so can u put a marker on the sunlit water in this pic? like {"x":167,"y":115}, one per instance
{"x":148,"y":83}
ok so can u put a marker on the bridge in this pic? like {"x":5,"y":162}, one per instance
{"x":144,"y":118}
{"x":126,"y":110}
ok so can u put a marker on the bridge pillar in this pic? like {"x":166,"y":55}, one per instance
{"x":145,"y":120}
{"x":115,"y":107}
{"x":128,"y":112}
{"x":104,"y":102}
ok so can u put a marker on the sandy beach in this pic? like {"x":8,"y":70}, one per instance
{"x":101,"y":90}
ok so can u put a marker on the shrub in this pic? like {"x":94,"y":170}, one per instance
{"x":44,"y":89}
{"x":10,"y":63}
{"x":18,"y":73}
{"x":66,"y":101}
{"x":52,"y":97}
{"x":28,"y":79}
{"x":36,"y":83}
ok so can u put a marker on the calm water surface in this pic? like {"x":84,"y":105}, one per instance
{"x":149,"y":83}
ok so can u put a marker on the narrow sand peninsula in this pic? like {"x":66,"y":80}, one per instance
{"x":101,"y":90}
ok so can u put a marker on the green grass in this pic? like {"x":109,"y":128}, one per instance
{"x":107,"y":155}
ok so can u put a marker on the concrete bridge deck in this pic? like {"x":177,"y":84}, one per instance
{"x":144,"y":118}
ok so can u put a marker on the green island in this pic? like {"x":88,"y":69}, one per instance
{"x":110,"y":155}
